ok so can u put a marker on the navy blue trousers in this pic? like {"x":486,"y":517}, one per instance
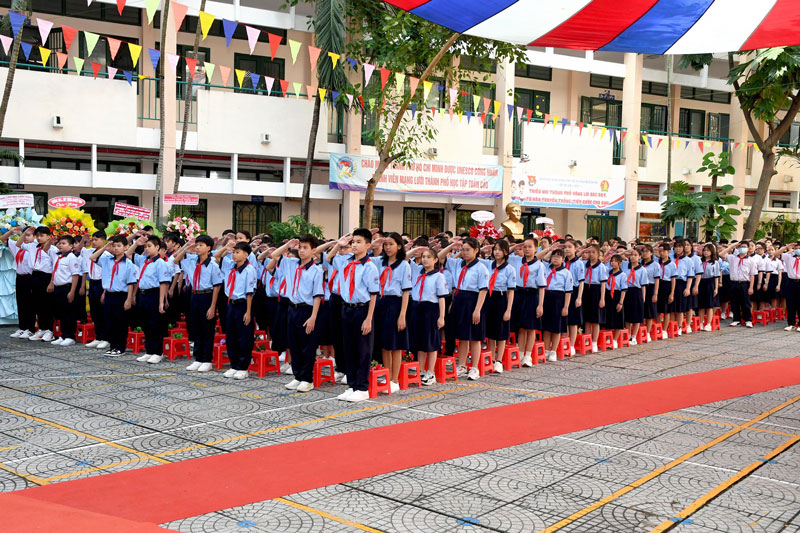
{"x":238,"y":336}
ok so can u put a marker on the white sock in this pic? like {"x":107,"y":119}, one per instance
{"x":528,"y":354}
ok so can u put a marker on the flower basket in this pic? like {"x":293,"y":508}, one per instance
{"x":69,"y":221}
{"x":128,"y":226}
{"x":22,"y":217}
{"x":186,"y":227}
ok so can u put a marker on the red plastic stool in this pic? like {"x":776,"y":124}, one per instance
{"x":564,"y":348}
{"x":781,"y":313}
{"x":715,"y":323}
{"x":696,"y":323}
{"x":605,"y":340}
{"x":85,"y":333}
{"x":511,"y":358}
{"x":538,"y":354}
{"x":641,"y":335}
{"x":718,"y":311}
{"x":672,"y":329}
{"x":264,"y":361}
{"x":218,"y":338}
{"x":56,"y":328}
{"x":319,"y":376}
{"x":512,"y":339}
{"x":182,"y":331}
{"x":773,"y":315}
{"x":135,"y":341}
{"x":442,"y":372}
{"x":485,"y":363}
{"x":261,"y":342}
{"x":181,"y":324}
{"x":657,"y":331}
{"x":583,"y":343}
{"x":760,"y":317}
{"x":218,"y":357}
{"x":376,"y":386}
{"x":174,"y":348}
{"x":407,"y":377}
{"x":624,"y":339}
{"x":538,"y":336}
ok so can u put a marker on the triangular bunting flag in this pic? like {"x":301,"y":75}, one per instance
{"x":206,"y":20}
{"x":254,"y":79}
{"x":240,"y":76}
{"x":17,"y":20}
{"x":520,"y":112}
{"x":580,"y":128}
{"x":173,"y":59}
{"x":361,"y":99}
{"x":284,"y":87}
{"x":368,"y":70}
{"x":151,"y":6}
{"x":433,"y":112}
{"x":62,"y":59}
{"x":225,"y":74}
{"x":45,"y":53}
{"x":469,"y":116}
{"x":78,"y":64}
{"x":352,"y":63}
{"x":349,"y":101}
{"x":322,"y":94}
{"x":384,"y":77}
{"x":660,"y":140}
{"x":252,"y":37}
{"x":426,"y":89}
{"x":96,"y":69}
{"x":309,"y":92}
{"x":274,"y":43}
{"x":298,"y":88}
{"x":120,"y":6}
{"x":413,"y":110}
{"x":335,"y":97}
{"x":486,"y":103}
{"x":269,"y":82}
{"x":128,"y":76}
{"x":603,"y":132}
{"x":529,"y":112}
{"x":564,"y":123}
{"x":313,"y":56}
{"x":112,"y":72}
{"x":556,"y":119}
{"x":7,"y":41}
{"x":26,"y":49}
{"x":113,"y":46}
{"x":736,"y":145}
{"x":210,"y":68}
{"x":69,"y":33}
{"x":685,"y":144}
{"x":546,"y":120}
{"x":294,"y":47}
{"x":650,"y":141}
{"x":135,"y":51}
{"x":496,"y":108}
{"x":413,"y":83}
{"x":510,"y":110}
{"x":453,"y":96}
{"x":91,"y":42}
{"x":334,"y":58}
{"x":191,"y":65}
{"x":624,"y":134}
{"x":178,"y":14}
{"x":700,"y":145}
{"x":155,"y":56}
{"x":400,"y":82}
{"x":44,"y":28}
{"x":371,"y":103}
{"x":228,"y":27}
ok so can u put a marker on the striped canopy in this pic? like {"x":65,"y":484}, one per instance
{"x":641,"y":26}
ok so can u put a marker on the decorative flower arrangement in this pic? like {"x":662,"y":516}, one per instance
{"x":69,"y":221}
{"x":128,"y":226}
{"x":184,"y":226}
{"x":22,"y":217}
{"x":484,"y":229}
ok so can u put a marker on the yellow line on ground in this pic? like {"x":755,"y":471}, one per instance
{"x":726,"y":424}
{"x":658,"y":471}
{"x":329,"y":516}
{"x":93,"y":469}
{"x":82,"y":434}
{"x":725,"y":485}
{"x":8,"y":448}
{"x":33,"y":479}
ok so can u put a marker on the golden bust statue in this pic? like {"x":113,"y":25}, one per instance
{"x":512,"y":225}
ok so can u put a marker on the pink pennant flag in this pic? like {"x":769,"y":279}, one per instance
{"x":62,"y":59}
{"x":349,"y":100}
{"x":310,"y":92}
{"x":252,"y":37}
{"x":313,"y":55}
{"x":453,"y":96}
{"x":6,"y":40}
{"x":269,"y":82}
{"x":173,"y":61}
{"x":546,"y":120}
{"x":112,"y":71}
{"x":486,"y":102}
{"x":519,"y":114}
{"x":44,"y":28}
{"x":413,"y":83}
{"x":368,"y":70}
{"x":179,"y":13}
{"x":113,"y":45}
{"x":225,"y":73}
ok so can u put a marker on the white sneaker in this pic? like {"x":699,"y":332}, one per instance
{"x":155,"y":359}
{"x":633,"y":342}
{"x":473,"y":374}
{"x":67,"y":342}
{"x":734,"y":324}
{"x":26,"y":334}
{"x":789,"y":328}
{"x":358,"y":396}
{"x":289,"y":371}
{"x":57,"y":342}
{"x":428,"y":378}
{"x":707,"y":327}
{"x":346,"y":394}
{"x":461,"y":371}
{"x":664,"y":335}
{"x":572,"y":351}
{"x":112,"y":353}
{"x":144,"y":358}
{"x":229,"y":373}
{"x":17,"y":333}
{"x":37,"y":336}
{"x":344,"y":380}
{"x":305,"y":386}
{"x":104,"y":345}
{"x":594,"y":348}
{"x":394,"y":387}
{"x":194,"y":366}
{"x":649,"y":338}
{"x":205,"y":367}
{"x":93,"y":344}
{"x":282,"y":357}
{"x":241,"y":374}
{"x":498,"y":367}
{"x":614,"y":345}
{"x":680,"y":332}
{"x":552,"y":357}
{"x":748,"y":324}
{"x":292,"y":385}
{"x":527,"y":361}
{"x":339,"y":376}
{"x":688,"y":329}
{"x":48,"y":336}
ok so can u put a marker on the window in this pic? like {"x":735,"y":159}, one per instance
{"x":436,"y":97}
{"x":463,"y":221}
{"x":654,"y":118}
{"x":653,"y":87}
{"x":692,"y":122}
{"x":719,"y":127}
{"x":604,"y":227}
{"x":254,"y":217}
{"x":792,"y":135}
{"x":605,"y":82}
{"x":470,"y":63}
{"x":102,"y":55}
{"x":203,"y":55}
{"x":422,"y":221}
{"x":335,"y":122}
{"x":274,"y":68}
{"x":705,"y":95}
{"x":101,"y":207}
{"x":523,"y":70}
{"x":197,"y":212}
{"x":601,"y":112}
{"x":780,"y":204}
{"x":377,"y":216}
{"x":200,"y":172}
{"x":539,"y":102}
{"x":79,"y":9}
{"x":272,"y":176}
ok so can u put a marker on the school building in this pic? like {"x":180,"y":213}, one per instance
{"x":597,"y":167}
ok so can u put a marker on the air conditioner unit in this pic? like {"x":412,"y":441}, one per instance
{"x":266,"y":138}
{"x":433,"y":152}
{"x":58,"y":122}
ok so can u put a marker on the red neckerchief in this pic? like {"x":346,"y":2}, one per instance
{"x":524,"y":270}
{"x":550,"y":276}
{"x":20,"y":256}
{"x":298,"y":274}
{"x":493,"y":278}
{"x":114,"y":270}
{"x":613,"y":282}
{"x":421,"y":281}
{"x":632,"y":276}
{"x":388,"y":270}
{"x":463,"y":274}
{"x":350,"y":270}
{"x":144,"y":267}
{"x":231,"y":283}
{"x":53,"y":275}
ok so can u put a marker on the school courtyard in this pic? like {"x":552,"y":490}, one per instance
{"x":693,"y":434}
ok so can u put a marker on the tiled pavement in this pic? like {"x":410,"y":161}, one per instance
{"x":69,"y":413}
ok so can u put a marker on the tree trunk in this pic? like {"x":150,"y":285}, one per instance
{"x":312,"y":143}
{"x":709,"y":234}
{"x":369,"y":196}
{"x":12,"y":68}
{"x":767,"y":171}
{"x":187,"y":102}
{"x":162,"y":107}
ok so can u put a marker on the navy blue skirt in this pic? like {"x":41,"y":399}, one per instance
{"x":592,"y":313}
{"x":387,"y":311}
{"x":496,"y":328}
{"x":680,"y":304}
{"x":423,"y":333}
{"x":575,"y":317}
{"x":464,"y":304}
{"x":634,"y":305}
{"x":773,"y":286}
{"x":706,"y":298}
{"x":523,"y":314}
{"x":650,"y":307}
{"x":614,"y":319}
{"x":552,"y":321}
{"x":664,"y":288}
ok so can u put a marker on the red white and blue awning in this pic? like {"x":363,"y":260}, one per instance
{"x":642,"y":26}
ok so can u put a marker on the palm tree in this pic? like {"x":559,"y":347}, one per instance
{"x":162,"y":107}
{"x":330,"y":29}
{"x":20,"y":6}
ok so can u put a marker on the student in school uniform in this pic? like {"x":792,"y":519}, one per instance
{"x":667,"y":288}
{"x":577,"y":268}
{"x":152,"y":286}
{"x":335,"y":304}
{"x":206,"y":282}
{"x":697,"y":268}
{"x":528,"y":307}
{"x":557,"y":294}
{"x":94,"y":275}
{"x":636,"y":279}
{"x":240,"y":284}
{"x":276,"y":307}
{"x":42,"y":272}
{"x":360,"y":287}
{"x":760,"y":297}
{"x":469,"y":298}
{"x":744,"y":270}
{"x":427,"y":312}
{"x":63,"y":286}
{"x":775,"y":266}
{"x":724,"y":284}
{"x":119,"y":281}
{"x":616,"y":289}
{"x":790,"y":285}
{"x":708,"y":290}
{"x":79,"y":303}
{"x":594,"y":295}
{"x":651,"y":287}
{"x":500,"y":301}
{"x":23,"y":259}
{"x":684,"y":279}
{"x":224,"y":258}
{"x":305,"y":294}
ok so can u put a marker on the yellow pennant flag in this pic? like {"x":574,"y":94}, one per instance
{"x":78,"y":64}
{"x":135,"y":51}
{"x":475,"y":102}
{"x":322,"y":94}
{"x":210,"y":68}
{"x":298,"y":88}
{"x":240,"y":76}
{"x":45,"y":53}
{"x":334,"y":58}
{"x":603,"y":133}
{"x":496,"y":108}
{"x":426,"y":89}
{"x":206,"y":19}
{"x":460,"y":114}
{"x":401,"y":82}
{"x":555,"y":119}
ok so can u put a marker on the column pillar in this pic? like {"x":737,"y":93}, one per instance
{"x":94,"y":164}
{"x":21,"y":166}
{"x":351,"y":200}
{"x":631,"y":119}
{"x":505,"y":134}
{"x":169,"y":46}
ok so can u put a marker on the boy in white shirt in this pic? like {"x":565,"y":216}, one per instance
{"x":94,"y":273}
{"x":64,"y":285}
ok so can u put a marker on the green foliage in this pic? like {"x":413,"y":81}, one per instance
{"x":294,"y":228}
{"x":719,"y":219}
{"x":781,"y":227}
{"x":682,"y":204}
{"x":330,"y":31}
{"x":717,"y":166}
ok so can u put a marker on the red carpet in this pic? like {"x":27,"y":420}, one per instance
{"x":169,"y":492}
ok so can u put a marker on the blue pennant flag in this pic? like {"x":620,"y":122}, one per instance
{"x":564,"y":123}
{"x":26,"y":49}
{"x":441,"y":87}
{"x":17,"y":20}
{"x":255,"y":78}
{"x":155,"y":56}
{"x":510,"y":111}
{"x":352,"y":62}
{"x":128,"y":77}
{"x":469,"y":116}
{"x":335,"y":95}
{"x":413,"y":110}
{"x":229,"y":26}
